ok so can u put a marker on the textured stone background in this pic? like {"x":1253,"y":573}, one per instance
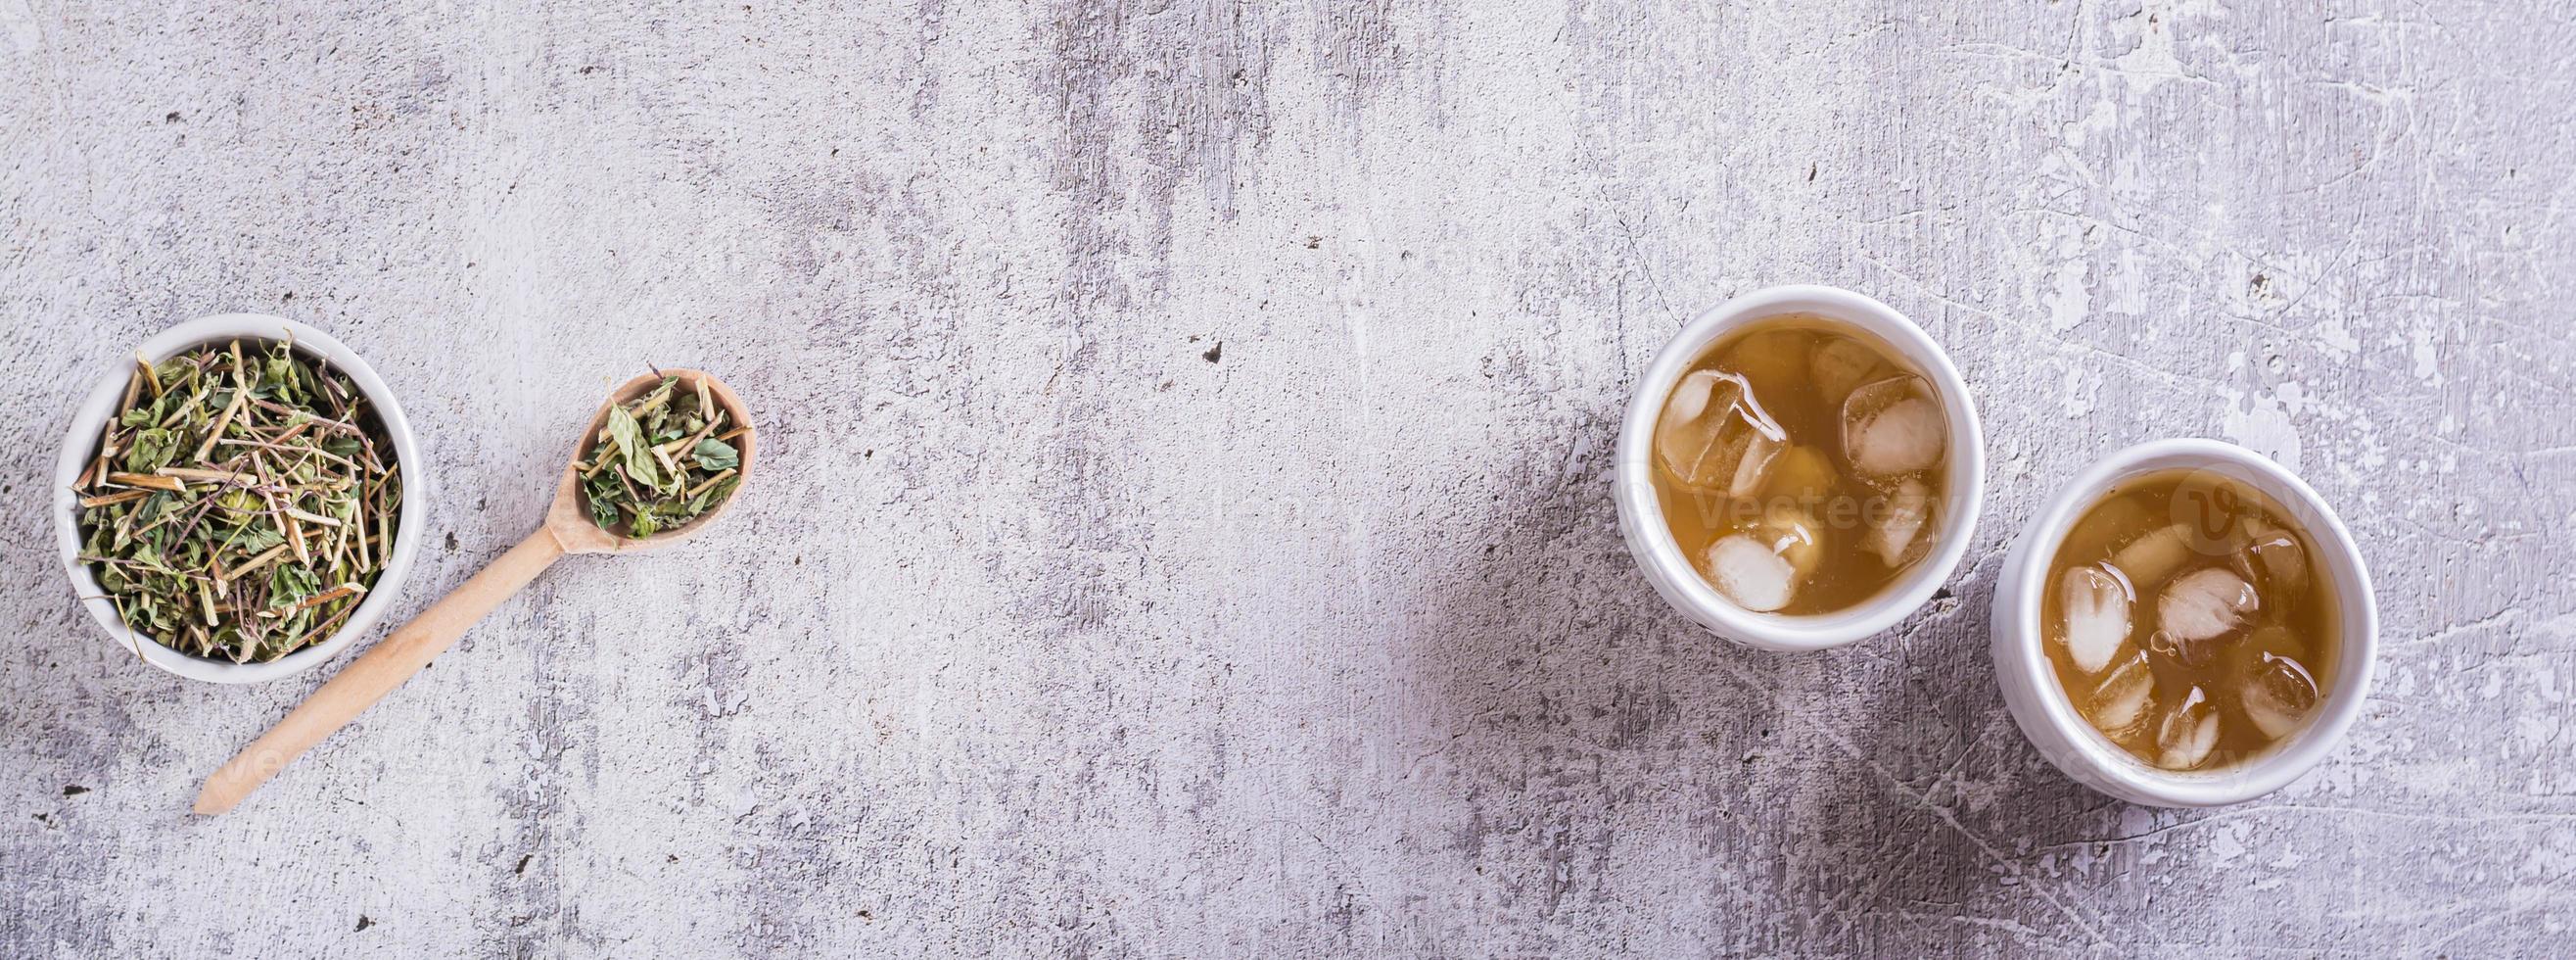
{"x":1185,"y":528}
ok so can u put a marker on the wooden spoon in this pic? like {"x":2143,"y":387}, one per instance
{"x":568,"y":529}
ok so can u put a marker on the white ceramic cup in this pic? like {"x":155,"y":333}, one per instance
{"x":1641,"y":515}
{"x":82,"y":443}
{"x":2045,"y":715}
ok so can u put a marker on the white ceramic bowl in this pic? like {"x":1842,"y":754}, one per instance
{"x":2030,"y":685}
{"x":82,"y":442}
{"x":1641,"y":515}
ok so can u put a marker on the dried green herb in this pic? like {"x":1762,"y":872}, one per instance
{"x":662,"y":460}
{"x":242,"y":501}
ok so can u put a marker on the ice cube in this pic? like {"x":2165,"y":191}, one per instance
{"x":1898,"y":538}
{"x":1773,"y":362}
{"x":2278,"y":695}
{"x":2120,"y":701}
{"x":2097,"y":616}
{"x":1894,"y":426}
{"x":1754,"y":466}
{"x":1708,"y":423}
{"x":2204,"y":605}
{"x":1762,"y":566}
{"x":2186,"y":652}
{"x":1802,"y":476}
{"x":1839,"y":365}
{"x":2245,"y":657}
{"x":2104,"y":527}
{"x":2188,"y":734}
{"x":2148,"y":560}
{"x":1750,"y":573}
{"x":1791,"y":533}
{"x":2276,"y":557}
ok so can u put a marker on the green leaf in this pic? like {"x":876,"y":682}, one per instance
{"x":257,"y":540}
{"x":152,"y":450}
{"x":290,"y":582}
{"x":175,"y":371}
{"x":604,"y":495}
{"x":630,"y":447}
{"x":711,"y":496}
{"x":717,"y":455}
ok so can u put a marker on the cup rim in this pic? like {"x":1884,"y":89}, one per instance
{"x":2049,"y":719}
{"x":82,"y":439}
{"x":1660,"y":558}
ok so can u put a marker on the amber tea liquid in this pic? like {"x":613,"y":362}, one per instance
{"x":1799,"y":464}
{"x":2187,"y":621}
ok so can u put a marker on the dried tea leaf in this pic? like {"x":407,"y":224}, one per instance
{"x":238,"y":479}
{"x":717,"y":455}
{"x":602,"y":500}
{"x":631,"y":453}
{"x":660,"y":462}
{"x":150,"y":450}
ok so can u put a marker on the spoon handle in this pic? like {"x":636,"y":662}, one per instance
{"x":383,"y":668}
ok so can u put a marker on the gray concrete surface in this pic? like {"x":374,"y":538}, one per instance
{"x":1186,"y":529}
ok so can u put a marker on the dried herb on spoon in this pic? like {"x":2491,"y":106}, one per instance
{"x":242,"y":501}
{"x":662,"y":460}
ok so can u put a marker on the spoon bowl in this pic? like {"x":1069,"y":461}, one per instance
{"x":568,"y":517}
